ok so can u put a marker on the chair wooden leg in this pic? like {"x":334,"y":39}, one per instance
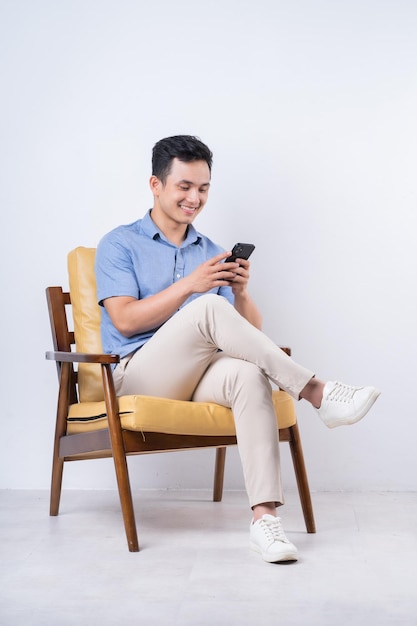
{"x":120,"y":461}
{"x":126,"y":501}
{"x":302,"y":480}
{"x":56,"y":484}
{"x":219,"y":474}
{"x":60,"y":429}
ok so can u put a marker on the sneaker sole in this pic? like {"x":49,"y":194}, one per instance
{"x":270,"y":558}
{"x":360,"y":415}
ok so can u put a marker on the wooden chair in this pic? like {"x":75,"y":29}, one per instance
{"x":93,"y":423}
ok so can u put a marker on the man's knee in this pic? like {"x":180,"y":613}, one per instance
{"x":213,"y":299}
{"x":210,"y":302}
{"x":249,"y":375}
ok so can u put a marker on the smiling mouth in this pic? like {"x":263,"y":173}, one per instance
{"x":189,"y":209}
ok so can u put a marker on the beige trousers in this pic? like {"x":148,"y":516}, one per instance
{"x":208,"y":352}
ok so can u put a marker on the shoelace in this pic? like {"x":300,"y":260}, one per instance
{"x":341,"y":393}
{"x":273,"y":530}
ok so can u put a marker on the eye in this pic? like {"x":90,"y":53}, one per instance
{"x":184,"y":187}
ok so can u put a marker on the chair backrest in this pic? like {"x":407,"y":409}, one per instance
{"x":86,"y":316}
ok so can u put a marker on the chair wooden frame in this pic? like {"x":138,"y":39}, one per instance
{"x":119,"y":443}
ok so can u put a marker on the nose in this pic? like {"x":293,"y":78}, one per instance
{"x":193,"y":196}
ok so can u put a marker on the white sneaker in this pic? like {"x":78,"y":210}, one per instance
{"x":342,"y":404}
{"x":268,"y":538}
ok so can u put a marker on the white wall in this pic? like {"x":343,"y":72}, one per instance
{"x":310,"y":109}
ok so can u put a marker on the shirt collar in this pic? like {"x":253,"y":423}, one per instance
{"x":149,"y":227}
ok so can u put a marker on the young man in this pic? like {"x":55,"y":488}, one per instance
{"x":186,"y":328}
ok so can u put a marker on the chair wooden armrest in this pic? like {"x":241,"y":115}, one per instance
{"x":81,"y":357}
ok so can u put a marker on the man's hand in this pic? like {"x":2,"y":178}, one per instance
{"x":243,"y":301}
{"x":239,"y":283}
{"x":213,"y":274}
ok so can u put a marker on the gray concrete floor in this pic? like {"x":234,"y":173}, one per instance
{"x":195,"y":567}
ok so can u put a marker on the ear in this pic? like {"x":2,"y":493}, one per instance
{"x":155,"y":185}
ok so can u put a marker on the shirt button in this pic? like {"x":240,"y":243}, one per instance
{"x":178,"y":275}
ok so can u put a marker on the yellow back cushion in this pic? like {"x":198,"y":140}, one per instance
{"x":86,"y":315}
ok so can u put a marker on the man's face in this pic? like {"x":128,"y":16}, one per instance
{"x":184,"y":194}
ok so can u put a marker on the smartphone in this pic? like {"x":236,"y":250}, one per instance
{"x":240,"y":251}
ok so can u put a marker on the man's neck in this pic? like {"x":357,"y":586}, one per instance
{"x":174,"y":232}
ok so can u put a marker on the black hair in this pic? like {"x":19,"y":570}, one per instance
{"x":182,"y":147}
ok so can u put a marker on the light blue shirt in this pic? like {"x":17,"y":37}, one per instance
{"x":137,"y":260}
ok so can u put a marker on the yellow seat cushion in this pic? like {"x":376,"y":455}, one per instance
{"x":149,"y":414}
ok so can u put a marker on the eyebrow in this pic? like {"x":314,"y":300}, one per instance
{"x":190,"y":182}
